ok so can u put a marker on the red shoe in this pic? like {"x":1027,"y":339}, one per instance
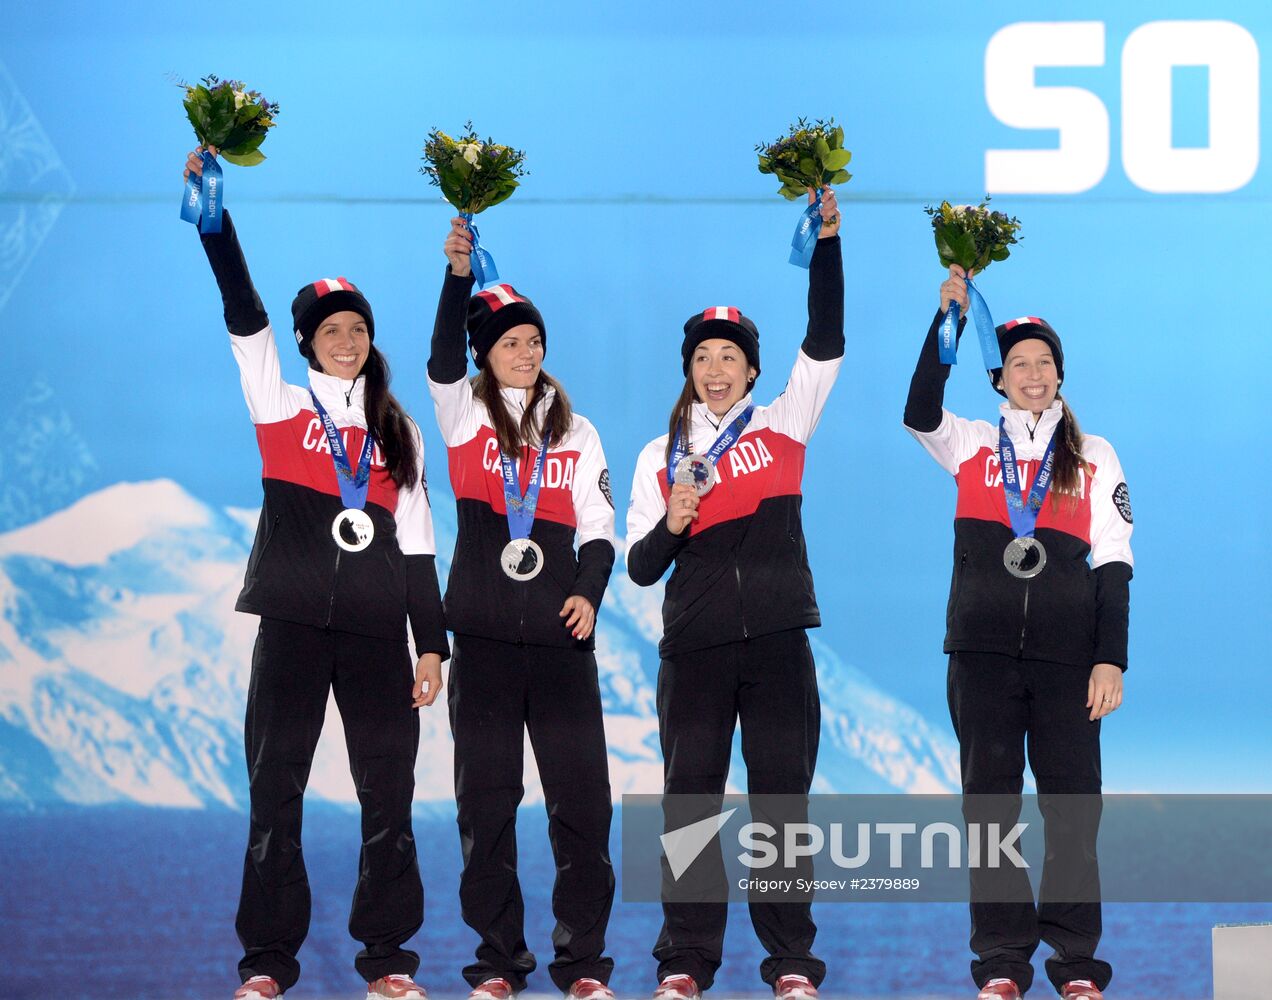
{"x":589,"y":989}
{"x":396,"y":987}
{"x":794,"y":988}
{"x":999,"y":989}
{"x":678,"y":987}
{"x":259,"y":988}
{"x":492,"y":989}
{"x":1081,"y":989}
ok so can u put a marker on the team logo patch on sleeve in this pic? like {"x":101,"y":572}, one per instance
{"x":1122,"y":501}
{"x":604,"y":484}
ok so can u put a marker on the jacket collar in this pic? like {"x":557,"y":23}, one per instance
{"x":707,"y":425}
{"x":1025,"y":436}
{"x":515,"y":401}
{"x":340,"y":396}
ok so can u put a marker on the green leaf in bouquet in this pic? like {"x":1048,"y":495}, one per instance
{"x":836,"y":160}
{"x":840,"y":177}
{"x":822,"y":149}
{"x":764,"y":165}
{"x":249,"y":159}
{"x":791,"y":191}
{"x":838,"y":137}
{"x":248,"y":113}
{"x":962,"y":247}
{"x":1002,"y":253}
{"x":503,"y":195}
{"x":247,"y":145}
{"x":197,"y":113}
{"x":807,"y":167}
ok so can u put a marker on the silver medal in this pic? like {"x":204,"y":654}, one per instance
{"x":695,"y":471}
{"x":1024,"y":557}
{"x":521,"y":559}
{"x":353,"y":529}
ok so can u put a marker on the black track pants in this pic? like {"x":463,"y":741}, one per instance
{"x":770,"y":684}
{"x":1002,"y":707}
{"x":497,"y":691}
{"x":293,"y":667}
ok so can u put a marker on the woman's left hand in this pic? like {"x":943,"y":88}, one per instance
{"x":829,"y":212}
{"x":1104,"y":690}
{"x":428,"y":680}
{"x":582,"y":616}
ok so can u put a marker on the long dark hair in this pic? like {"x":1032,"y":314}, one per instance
{"x":1069,"y":465}
{"x":681,"y":417}
{"x":388,"y":423}
{"x":513,"y":436}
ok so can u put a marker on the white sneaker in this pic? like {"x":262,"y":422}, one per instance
{"x":678,"y":987}
{"x":492,"y":989}
{"x":395,"y":987}
{"x":794,"y":988}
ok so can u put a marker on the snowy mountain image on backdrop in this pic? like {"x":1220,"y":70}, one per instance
{"x":124,"y":668}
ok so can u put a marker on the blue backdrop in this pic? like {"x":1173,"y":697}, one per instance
{"x":129,"y":476}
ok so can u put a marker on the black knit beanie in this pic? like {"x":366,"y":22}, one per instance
{"x":320,"y":299}
{"x":492,"y":313}
{"x":726,"y":323}
{"x":1013,"y":332}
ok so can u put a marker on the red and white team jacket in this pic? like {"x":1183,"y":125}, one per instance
{"x":296,"y":571}
{"x":742,"y":567}
{"x":1075,"y":611}
{"x":575,"y":504}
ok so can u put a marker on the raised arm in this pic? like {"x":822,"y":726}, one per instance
{"x":448,"y":358}
{"x":269,"y":398}
{"x":927,"y":385}
{"x":798,"y":409}
{"x":949,"y":439}
{"x":448,"y":384}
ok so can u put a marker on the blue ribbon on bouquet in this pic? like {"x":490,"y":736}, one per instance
{"x":947,"y":336}
{"x":484,"y":269}
{"x":804,"y":242}
{"x":204,"y":195}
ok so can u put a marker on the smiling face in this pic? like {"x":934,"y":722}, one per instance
{"x":721,"y":374}
{"x":517,"y":357}
{"x":341,"y":344}
{"x":1029,"y":376}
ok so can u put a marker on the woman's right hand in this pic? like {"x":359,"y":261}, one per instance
{"x":682,"y":507}
{"x":954,"y":288}
{"x":459,"y":248}
{"x":194,"y":162}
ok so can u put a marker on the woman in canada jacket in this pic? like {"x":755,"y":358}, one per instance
{"x":1036,"y":632}
{"x":343,"y":559}
{"x":740,"y":596}
{"x":530,"y":484}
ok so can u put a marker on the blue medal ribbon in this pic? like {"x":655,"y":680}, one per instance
{"x":947,"y":336}
{"x":722,"y":444}
{"x":804,"y":242}
{"x":1024,"y":511}
{"x":521,"y":508}
{"x":484,"y":269}
{"x":353,"y":484}
{"x":201,"y":204}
